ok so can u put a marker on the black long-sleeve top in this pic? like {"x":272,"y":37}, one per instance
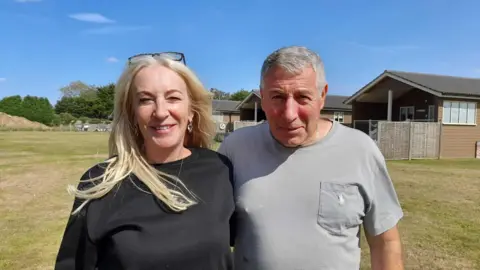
{"x":131,"y":229}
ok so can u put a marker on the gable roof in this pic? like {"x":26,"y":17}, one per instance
{"x":335,"y":102}
{"x":442,"y":83}
{"x":439,"y":85}
{"x":247,"y":98}
{"x":224,"y":105}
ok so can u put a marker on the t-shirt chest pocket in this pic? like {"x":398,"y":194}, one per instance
{"x":340,"y":208}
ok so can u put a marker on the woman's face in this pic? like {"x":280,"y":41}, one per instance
{"x":162,"y":108}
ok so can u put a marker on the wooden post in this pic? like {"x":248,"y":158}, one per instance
{"x":440,"y":135}
{"x":390,"y":100}
{"x":410,"y":139}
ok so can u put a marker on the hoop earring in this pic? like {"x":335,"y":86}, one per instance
{"x":189,"y":126}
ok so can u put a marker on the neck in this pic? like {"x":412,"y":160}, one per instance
{"x":322,"y":129}
{"x":157,"y":156}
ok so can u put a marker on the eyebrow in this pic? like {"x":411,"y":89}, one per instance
{"x":144,"y":92}
{"x":274,"y":91}
{"x":169,"y":91}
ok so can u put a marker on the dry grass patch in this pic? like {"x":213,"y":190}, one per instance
{"x":441,"y":200}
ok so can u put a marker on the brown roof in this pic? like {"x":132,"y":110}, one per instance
{"x":333,"y":102}
{"x":442,"y":83}
{"x":224,"y":105}
{"x":439,"y":85}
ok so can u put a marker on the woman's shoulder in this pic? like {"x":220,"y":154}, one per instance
{"x":94,"y":173}
{"x":212,"y":155}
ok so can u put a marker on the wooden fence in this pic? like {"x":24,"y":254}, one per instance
{"x":241,"y":124}
{"x":409,"y":140}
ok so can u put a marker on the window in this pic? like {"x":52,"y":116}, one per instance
{"x":406,"y":113}
{"x":338,"y":116}
{"x":459,"y":112}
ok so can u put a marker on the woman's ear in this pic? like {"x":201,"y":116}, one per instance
{"x":190,"y":116}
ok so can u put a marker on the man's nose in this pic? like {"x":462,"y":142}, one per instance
{"x":291,"y":109}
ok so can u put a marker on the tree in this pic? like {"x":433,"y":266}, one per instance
{"x":239,"y":95}
{"x":88,"y":104}
{"x":12,"y":105}
{"x":79,"y":89}
{"x":219,"y":95}
{"x":37,"y":109}
{"x":106,"y":96}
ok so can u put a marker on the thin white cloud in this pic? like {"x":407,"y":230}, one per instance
{"x":91,"y":17}
{"x":385,"y":48}
{"x":114,"y":30}
{"x":112,"y":59}
{"x":2,"y":79}
{"x":28,"y":1}
{"x":476,"y":70}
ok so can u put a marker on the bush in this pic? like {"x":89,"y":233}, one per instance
{"x":220,"y":136}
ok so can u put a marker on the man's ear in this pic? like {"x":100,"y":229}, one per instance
{"x":324,"y":91}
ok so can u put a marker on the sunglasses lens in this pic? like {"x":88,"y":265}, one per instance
{"x":170,"y":55}
{"x":173,"y":56}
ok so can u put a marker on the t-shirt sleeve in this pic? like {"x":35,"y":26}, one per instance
{"x":77,"y":250}
{"x":223,"y":148}
{"x":384,"y":210}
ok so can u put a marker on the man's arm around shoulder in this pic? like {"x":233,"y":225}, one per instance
{"x":382,"y":217}
{"x":386,"y":250}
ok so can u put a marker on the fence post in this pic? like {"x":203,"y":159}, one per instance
{"x":410,"y":141}
{"x":379,"y":125}
{"x":440,"y":135}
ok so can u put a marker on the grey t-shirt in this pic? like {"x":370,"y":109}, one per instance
{"x":302,"y":209}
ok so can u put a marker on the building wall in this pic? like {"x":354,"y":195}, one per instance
{"x":458,"y":141}
{"x":369,"y":111}
{"x":229,"y":118}
{"x":417,"y":98}
{"x":378,"y":111}
{"x":249,"y":115}
{"x":347,"y":116}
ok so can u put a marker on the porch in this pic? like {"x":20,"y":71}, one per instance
{"x":400,"y":117}
{"x":251,"y":109}
{"x":391,"y":100}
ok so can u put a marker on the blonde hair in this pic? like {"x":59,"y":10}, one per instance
{"x":125,"y":144}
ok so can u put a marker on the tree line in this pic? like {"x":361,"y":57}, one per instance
{"x":79,"y":102}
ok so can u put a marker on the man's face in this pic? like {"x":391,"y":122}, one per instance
{"x":292,"y":105}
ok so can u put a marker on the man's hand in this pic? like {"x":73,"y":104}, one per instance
{"x":386,"y":250}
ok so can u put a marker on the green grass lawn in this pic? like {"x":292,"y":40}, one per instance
{"x":441,"y":200}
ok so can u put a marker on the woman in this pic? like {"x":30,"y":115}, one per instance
{"x":163,"y":200}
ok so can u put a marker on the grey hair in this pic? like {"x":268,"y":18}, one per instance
{"x":293,"y":60}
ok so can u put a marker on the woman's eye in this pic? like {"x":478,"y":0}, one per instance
{"x":144,"y":100}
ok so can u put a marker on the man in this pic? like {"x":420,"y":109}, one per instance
{"x":304,"y":184}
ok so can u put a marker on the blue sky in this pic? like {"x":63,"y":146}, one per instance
{"x":45,"y":44}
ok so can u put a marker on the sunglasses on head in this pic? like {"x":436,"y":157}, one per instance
{"x":176,"y":56}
